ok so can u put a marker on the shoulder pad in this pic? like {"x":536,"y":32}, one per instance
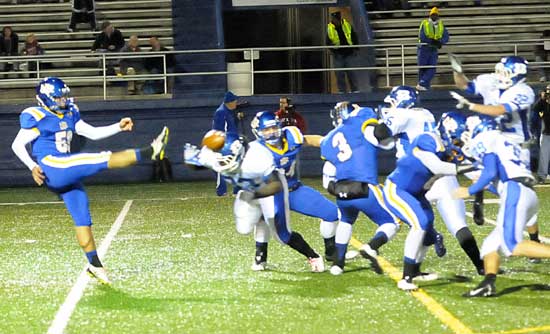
{"x":293,"y":135}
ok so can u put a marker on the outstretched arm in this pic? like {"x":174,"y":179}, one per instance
{"x":313,"y":140}
{"x":25,"y":136}
{"x":101,"y":132}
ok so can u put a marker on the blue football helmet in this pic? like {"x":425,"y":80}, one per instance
{"x":340,"y":112}
{"x":50,"y":89}
{"x":510,"y":71}
{"x":229,"y":158}
{"x":451,"y":126}
{"x":267,"y":127}
{"x":402,"y":97}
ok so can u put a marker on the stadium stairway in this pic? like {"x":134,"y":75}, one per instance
{"x":479,"y":35}
{"x":49,"y":21}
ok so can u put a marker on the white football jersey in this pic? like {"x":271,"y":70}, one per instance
{"x":511,"y":162}
{"x":407,"y":124}
{"x":256,"y":166}
{"x":517,"y":99}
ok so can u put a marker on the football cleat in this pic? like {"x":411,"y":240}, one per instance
{"x":99,"y":273}
{"x":425,"y":277}
{"x":317,"y":264}
{"x":159,"y":144}
{"x":352,"y":254}
{"x":370,"y":254}
{"x":336,"y":270}
{"x":534,"y":260}
{"x":439,"y":246}
{"x":259,"y":266}
{"x":407,"y":285}
{"x":484,"y":289}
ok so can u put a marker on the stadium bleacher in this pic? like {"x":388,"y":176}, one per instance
{"x":48,"y":21}
{"x":480,"y":35}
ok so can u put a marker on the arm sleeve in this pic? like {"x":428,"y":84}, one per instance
{"x":445,"y":38}
{"x":24,"y":136}
{"x":379,"y":135}
{"x":487,"y":174}
{"x":432,"y":162}
{"x":96,"y":133}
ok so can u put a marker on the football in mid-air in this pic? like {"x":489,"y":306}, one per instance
{"x":214,"y":139}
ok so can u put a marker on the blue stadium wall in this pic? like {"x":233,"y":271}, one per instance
{"x":188,"y":120}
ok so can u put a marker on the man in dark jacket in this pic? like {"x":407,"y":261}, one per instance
{"x":9,"y":46}
{"x":110,"y":39}
{"x":225,"y":119}
{"x":83,"y":12}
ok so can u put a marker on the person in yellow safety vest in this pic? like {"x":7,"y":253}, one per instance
{"x":339,"y":33}
{"x":431,"y":36}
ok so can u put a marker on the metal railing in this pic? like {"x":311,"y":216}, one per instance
{"x":105,"y":60}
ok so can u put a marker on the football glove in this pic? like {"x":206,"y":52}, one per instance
{"x":456,"y":65}
{"x":462,"y":102}
{"x":191,"y":155}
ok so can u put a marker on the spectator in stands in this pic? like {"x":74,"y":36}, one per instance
{"x":339,"y":33}
{"x":9,"y":46}
{"x":132,"y":66}
{"x":542,"y":54}
{"x":31,"y":48}
{"x":155,"y":65}
{"x":432,"y":35}
{"x":109,"y":40}
{"x":83,"y":12}
{"x":288,"y":115}
{"x":540,"y":123}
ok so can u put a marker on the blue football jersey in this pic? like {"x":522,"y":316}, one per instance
{"x":410,"y":174}
{"x":56,"y":130}
{"x":347,"y":149}
{"x":285,"y":157}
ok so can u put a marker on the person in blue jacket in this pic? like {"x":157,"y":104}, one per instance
{"x":225,"y":119}
{"x":432,"y":35}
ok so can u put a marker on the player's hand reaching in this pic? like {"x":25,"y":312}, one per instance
{"x":462,"y":102}
{"x":126,"y":124}
{"x":461,"y":192}
{"x":38,"y":175}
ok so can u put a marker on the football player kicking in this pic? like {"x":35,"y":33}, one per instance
{"x":502,"y":160}
{"x":351,"y":149}
{"x":285,"y":143}
{"x":508,"y":99}
{"x":49,"y":127}
{"x":406,"y":121}
{"x":263,"y":203}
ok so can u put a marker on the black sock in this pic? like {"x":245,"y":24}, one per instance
{"x":534,"y":237}
{"x":410,"y":270}
{"x":378,"y":241}
{"x":261,"y":252}
{"x":146,"y":153}
{"x":469,"y":245}
{"x":490,"y":278}
{"x":298,"y":243}
{"x":330,"y":247}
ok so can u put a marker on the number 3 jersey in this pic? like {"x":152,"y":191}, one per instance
{"x":346,"y":148}
{"x":502,"y":160}
{"x":56,"y":130}
{"x":407,"y":124}
{"x":285,"y":157}
{"x":517,"y":100}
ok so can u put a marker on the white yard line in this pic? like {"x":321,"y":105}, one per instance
{"x":66,"y":310}
{"x":492,"y":222}
{"x":110,"y":200}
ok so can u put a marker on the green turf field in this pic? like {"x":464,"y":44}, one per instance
{"x":179,"y":266}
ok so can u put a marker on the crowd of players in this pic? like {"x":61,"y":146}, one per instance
{"x":488,"y":147}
